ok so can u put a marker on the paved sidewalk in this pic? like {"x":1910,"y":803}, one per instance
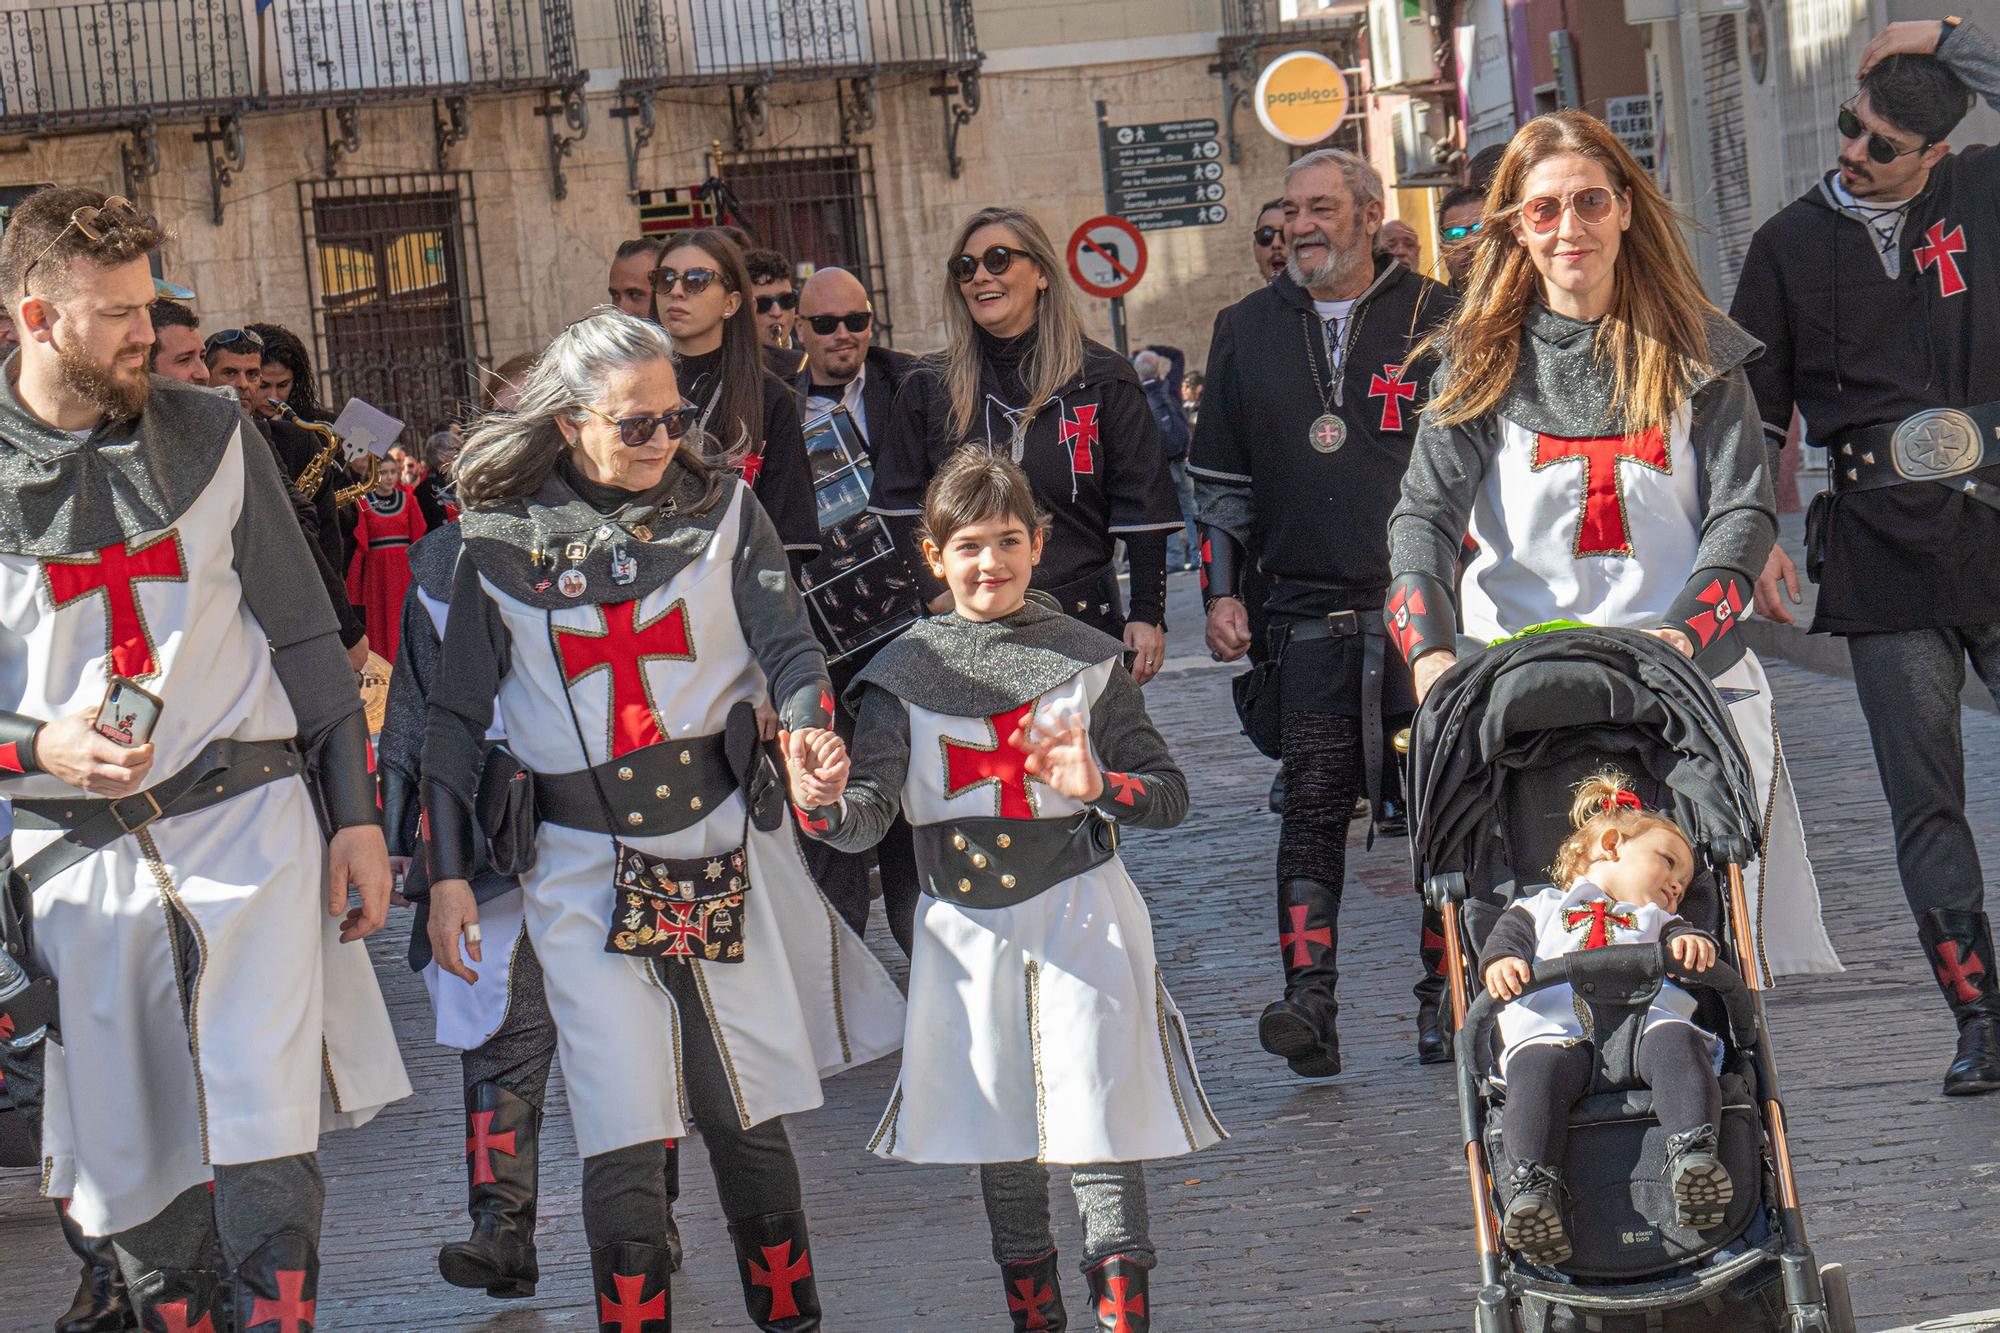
{"x":1338,"y":1205}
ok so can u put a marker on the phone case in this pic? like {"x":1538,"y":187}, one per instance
{"x":128,"y":714}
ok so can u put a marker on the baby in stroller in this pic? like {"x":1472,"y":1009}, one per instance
{"x":1619,"y":878}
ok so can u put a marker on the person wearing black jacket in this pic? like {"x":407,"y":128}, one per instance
{"x":1019,"y":375}
{"x":1307,"y":418}
{"x":1875,"y":298}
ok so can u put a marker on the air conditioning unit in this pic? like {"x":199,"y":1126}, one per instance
{"x":1399,"y":43}
{"x":1418,"y":162}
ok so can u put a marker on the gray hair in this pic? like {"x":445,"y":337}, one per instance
{"x":1149,"y":364}
{"x":1364,"y":183}
{"x":507,"y":455}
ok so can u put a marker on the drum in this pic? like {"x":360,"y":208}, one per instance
{"x":858,"y":590}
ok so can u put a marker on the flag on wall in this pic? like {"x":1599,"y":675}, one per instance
{"x":672,"y":210}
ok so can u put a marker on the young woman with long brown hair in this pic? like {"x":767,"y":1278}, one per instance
{"x":1592,"y":430}
{"x":1019,"y":375}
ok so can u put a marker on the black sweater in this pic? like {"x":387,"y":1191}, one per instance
{"x":782,"y":478}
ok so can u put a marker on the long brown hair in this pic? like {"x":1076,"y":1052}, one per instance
{"x":1057,"y":357}
{"x":1655,"y":336}
{"x":736,"y":428}
{"x":1603,"y":801}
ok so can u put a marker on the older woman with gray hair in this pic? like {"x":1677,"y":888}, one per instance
{"x":619,"y":608}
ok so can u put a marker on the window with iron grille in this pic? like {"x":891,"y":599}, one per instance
{"x":817,"y":206}
{"x":398,"y":296}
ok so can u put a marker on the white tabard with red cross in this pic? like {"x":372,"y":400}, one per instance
{"x":1601,"y":530}
{"x":807,"y":999}
{"x":132,"y":1120}
{"x":1042,"y":1030}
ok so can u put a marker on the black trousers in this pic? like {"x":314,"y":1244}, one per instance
{"x":1909,"y":683}
{"x":1544,"y":1082}
{"x":517,"y":1056}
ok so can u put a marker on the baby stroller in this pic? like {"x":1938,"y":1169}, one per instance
{"x":1496,"y":753}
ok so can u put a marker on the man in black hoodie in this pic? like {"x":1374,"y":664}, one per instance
{"x":1310,"y":407}
{"x":1877,"y":297}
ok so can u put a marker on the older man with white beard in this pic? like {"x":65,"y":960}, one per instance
{"x":1306,"y":423}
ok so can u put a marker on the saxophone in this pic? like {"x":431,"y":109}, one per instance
{"x":351,"y":494}
{"x":313,"y":475}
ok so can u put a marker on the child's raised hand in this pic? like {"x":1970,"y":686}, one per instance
{"x":816,"y":766}
{"x":1693,"y":951}
{"x":1507,"y":977}
{"x":1059,"y":755}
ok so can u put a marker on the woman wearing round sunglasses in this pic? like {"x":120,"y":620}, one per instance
{"x":701,"y":295}
{"x":618,"y":608}
{"x":1019,"y":375}
{"x":1592,"y":430}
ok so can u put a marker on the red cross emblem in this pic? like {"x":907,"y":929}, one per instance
{"x":1407,"y":603}
{"x":1390,"y":388}
{"x":1080,"y":435}
{"x":1298,"y":937}
{"x":1725,"y":609}
{"x":1027,"y":1297}
{"x":1956,"y":971}
{"x":967,"y":765}
{"x":113,"y":571}
{"x":175,"y":1315}
{"x":677,"y":925}
{"x":1119,"y":1307}
{"x":289,"y":1312}
{"x":482,"y":1143}
{"x":751,"y":468}
{"x":6,"y":1026}
{"x":779,"y":1273}
{"x":808,"y":823}
{"x":826,"y":702}
{"x":1601,"y":528}
{"x":1941,"y":252}
{"x":624,"y":648}
{"x":1207,"y":554}
{"x":1127,"y":786}
{"x":10,"y":758}
{"x":630,"y":1314}
{"x":1430,"y":941}
{"x":1599,"y":918}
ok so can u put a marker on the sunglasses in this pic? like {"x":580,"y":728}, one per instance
{"x":1592,"y":205}
{"x":1265,"y":235}
{"x":96,"y":223}
{"x":1454,"y":234}
{"x":1880,"y":150}
{"x":857,"y":322}
{"x":783,"y":301}
{"x":997,"y":260}
{"x":694,"y":281}
{"x":636,"y":432}
{"x":231,"y":337}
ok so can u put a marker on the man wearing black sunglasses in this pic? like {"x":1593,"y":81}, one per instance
{"x":843,"y":366}
{"x":1267,"y":240}
{"x":1877,"y":297}
{"x":775,"y":298}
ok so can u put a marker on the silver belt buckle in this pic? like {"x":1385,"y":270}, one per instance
{"x":1942,"y":442}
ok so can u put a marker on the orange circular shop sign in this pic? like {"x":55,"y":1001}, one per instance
{"x":1301,"y":97}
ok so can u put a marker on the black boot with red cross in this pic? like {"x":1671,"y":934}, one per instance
{"x":1960,"y":945}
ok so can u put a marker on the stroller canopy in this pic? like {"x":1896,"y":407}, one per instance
{"x":1546,"y":703}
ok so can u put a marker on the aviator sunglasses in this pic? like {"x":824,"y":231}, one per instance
{"x":1880,"y":150}
{"x":997,"y":260}
{"x":1592,"y":205}
{"x":824,"y":325}
{"x":783,"y":301}
{"x":635,"y":432}
{"x":694,"y":280}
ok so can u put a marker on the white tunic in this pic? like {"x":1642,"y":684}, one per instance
{"x":1568,"y":532}
{"x":286,"y":1032}
{"x":807,"y":999}
{"x":1041,"y":1031}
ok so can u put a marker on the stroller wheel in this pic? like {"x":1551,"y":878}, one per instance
{"x":1839,"y":1301}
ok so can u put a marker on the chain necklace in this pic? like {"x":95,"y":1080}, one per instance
{"x":1328,"y":431}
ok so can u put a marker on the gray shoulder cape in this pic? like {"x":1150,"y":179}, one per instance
{"x":969,"y":668}
{"x":434,"y":561}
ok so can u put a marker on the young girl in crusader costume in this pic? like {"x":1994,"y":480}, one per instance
{"x":618,"y":610}
{"x":1040,"y":1029}
{"x":1619,"y":879}
{"x":1592,"y":431}
{"x":1020,"y":379}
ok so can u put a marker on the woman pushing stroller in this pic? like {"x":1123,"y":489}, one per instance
{"x":1619,"y":878}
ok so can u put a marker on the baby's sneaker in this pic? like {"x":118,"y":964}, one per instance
{"x":1533,"y":1223}
{"x":1700,"y":1182}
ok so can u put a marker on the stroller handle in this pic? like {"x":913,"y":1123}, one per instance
{"x":1634,"y":972}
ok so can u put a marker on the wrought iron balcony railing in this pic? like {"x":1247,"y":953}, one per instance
{"x":664,"y":43}
{"x":119,"y":61}
{"x":1255,"y":22}
{"x":395,"y":50}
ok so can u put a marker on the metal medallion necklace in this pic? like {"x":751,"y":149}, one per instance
{"x":1328,"y":431}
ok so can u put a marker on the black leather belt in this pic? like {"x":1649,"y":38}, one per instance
{"x":987,"y":863}
{"x":1368,"y":627}
{"x":1093,"y":598}
{"x":1943,"y":445}
{"x":222,"y":770}
{"x":657,"y":790}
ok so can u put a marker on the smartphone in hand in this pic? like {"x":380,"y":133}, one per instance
{"x":128,"y":714}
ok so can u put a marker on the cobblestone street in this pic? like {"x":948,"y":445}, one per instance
{"x":1336,"y":1205}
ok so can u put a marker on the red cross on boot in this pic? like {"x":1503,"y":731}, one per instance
{"x":1301,"y":1027}
{"x":1960,"y":945}
{"x":632,"y":1290}
{"x":276,"y":1286}
{"x":1118,"y":1294}
{"x":775,"y":1262}
{"x":177,"y":1301}
{"x":501,"y":1138}
{"x":1034,"y":1294}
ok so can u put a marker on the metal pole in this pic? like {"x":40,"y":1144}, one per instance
{"x":1104,"y":169}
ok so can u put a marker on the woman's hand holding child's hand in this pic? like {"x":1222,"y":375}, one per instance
{"x":816,"y":764}
{"x":1059,"y":756}
{"x":1694,"y":952}
{"x":1506,"y":978}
